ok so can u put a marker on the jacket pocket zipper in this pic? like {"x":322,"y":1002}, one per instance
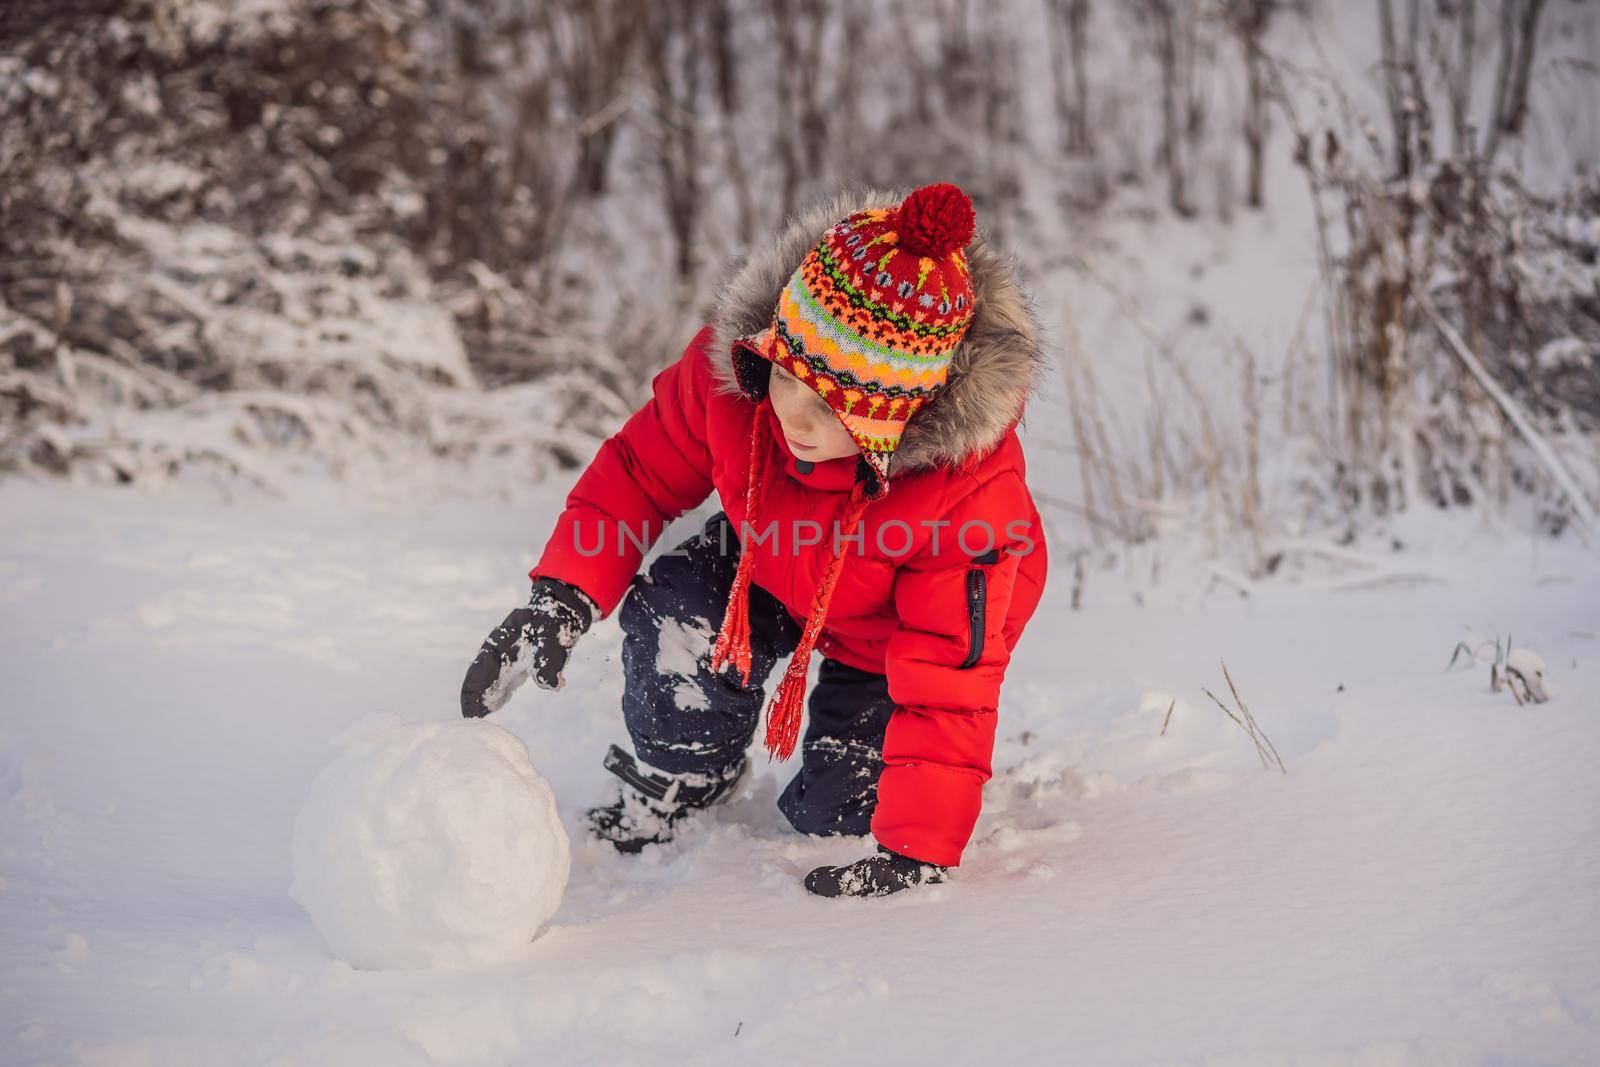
{"x":977,"y":586}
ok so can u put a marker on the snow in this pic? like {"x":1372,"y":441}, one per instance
{"x":1421,"y":886}
{"x":429,"y":845}
{"x":1527,"y":676}
{"x":683,"y":645}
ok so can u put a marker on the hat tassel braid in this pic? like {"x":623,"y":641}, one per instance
{"x":783,"y":717}
{"x":733,"y":640}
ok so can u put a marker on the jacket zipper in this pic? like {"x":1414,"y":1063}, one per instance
{"x":977,"y":586}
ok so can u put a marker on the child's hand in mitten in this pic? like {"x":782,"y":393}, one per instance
{"x":875,"y":876}
{"x":534,"y":640}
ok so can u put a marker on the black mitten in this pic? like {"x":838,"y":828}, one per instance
{"x":875,"y":876}
{"x":534,"y":640}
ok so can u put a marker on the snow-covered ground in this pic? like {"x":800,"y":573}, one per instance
{"x":1422,"y":886}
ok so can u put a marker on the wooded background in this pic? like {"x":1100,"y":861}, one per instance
{"x":354,"y":228}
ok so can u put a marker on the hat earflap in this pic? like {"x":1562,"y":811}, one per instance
{"x":752,"y":364}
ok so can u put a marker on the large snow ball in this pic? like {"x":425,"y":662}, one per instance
{"x":429,"y":845}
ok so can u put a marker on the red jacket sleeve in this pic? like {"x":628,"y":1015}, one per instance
{"x":945,"y":664}
{"x":648,"y":473}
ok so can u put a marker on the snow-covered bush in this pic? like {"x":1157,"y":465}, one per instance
{"x":242,"y":230}
{"x":1437,"y":222}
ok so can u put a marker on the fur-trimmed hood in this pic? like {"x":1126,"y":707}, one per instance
{"x":992,"y":372}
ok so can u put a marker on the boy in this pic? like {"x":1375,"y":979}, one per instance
{"x":875,"y":341}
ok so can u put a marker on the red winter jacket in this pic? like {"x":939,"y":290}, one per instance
{"x":948,"y":566}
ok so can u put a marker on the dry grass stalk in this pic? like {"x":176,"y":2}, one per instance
{"x":1190,"y":443}
{"x":1251,"y":719}
{"x":1247,"y":723}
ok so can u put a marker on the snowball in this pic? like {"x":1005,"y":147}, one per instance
{"x":430,"y":845}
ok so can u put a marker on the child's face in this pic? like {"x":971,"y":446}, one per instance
{"x":813,"y":431}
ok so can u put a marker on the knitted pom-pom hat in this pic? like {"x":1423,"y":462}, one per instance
{"x":872,"y":317}
{"x":870,"y":321}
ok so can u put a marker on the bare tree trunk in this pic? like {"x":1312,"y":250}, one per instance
{"x":592,"y":49}
{"x":1255,"y":128}
{"x":1167,"y":55}
{"x":1078,"y":26}
{"x":784,"y":133}
{"x":1068,"y":22}
{"x":1163,"y":19}
{"x":1519,"y":31}
{"x":1400,"y":112}
{"x":724,"y":53}
{"x":811,"y":76}
{"x":1461,"y":141}
{"x":1410,"y":114}
{"x":1423,"y":126}
{"x":721,"y":29}
{"x":1190,"y":49}
{"x":1001,"y":131}
{"x":675,"y":65}
{"x":856,"y":45}
{"x":1249,"y":20}
{"x":803,"y":71}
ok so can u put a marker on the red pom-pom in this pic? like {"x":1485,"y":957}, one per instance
{"x":936,"y":220}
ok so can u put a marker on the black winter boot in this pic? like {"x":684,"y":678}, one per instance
{"x":650,"y":803}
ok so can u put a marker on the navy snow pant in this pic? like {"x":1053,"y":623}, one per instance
{"x":683,"y":717}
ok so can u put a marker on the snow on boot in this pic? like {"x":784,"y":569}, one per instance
{"x":874,"y":876}
{"x":650,"y":803}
